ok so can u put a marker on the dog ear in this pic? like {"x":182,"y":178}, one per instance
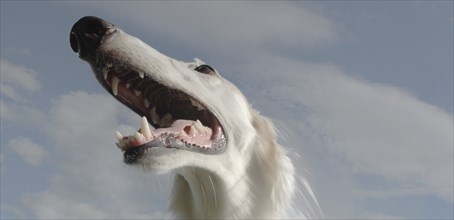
{"x":198,"y":61}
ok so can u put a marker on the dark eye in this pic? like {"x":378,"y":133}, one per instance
{"x":205,"y":69}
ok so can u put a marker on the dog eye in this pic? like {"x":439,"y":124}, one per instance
{"x":205,"y":69}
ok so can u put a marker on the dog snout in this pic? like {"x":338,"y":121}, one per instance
{"x":88,"y":33}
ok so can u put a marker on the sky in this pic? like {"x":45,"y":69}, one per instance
{"x":361,"y":93}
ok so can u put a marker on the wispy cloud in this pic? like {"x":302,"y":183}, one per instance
{"x":31,"y":152}
{"x":18,"y":83}
{"x":20,"y":76}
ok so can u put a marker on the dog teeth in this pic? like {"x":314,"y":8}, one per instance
{"x":198,"y":124}
{"x":137,"y":92}
{"x":145,"y":134}
{"x":201,"y":128}
{"x":119,"y":136}
{"x":105,"y":72}
{"x":141,"y":74}
{"x":115,"y":81}
{"x":122,"y":141}
{"x":145,"y":128}
{"x":154,"y":116}
{"x":138,"y":137}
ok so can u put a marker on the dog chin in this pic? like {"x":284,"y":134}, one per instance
{"x":163,"y":162}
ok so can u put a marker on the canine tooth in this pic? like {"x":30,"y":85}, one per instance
{"x":154,"y":116}
{"x":146,"y":103}
{"x":141,"y":74}
{"x":105,"y":72}
{"x":115,"y":82}
{"x":119,"y":136}
{"x":128,"y":85}
{"x":144,"y":128}
{"x":137,"y":92}
{"x":166,"y":119}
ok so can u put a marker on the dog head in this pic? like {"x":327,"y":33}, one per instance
{"x":198,"y":117}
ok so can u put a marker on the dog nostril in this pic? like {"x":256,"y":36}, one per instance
{"x":87,"y":35}
{"x":74,"y":42}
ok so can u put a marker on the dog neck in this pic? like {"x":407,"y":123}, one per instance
{"x":200,"y":194}
{"x":261,"y":188}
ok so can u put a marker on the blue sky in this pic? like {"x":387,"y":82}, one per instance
{"x":362,"y":91}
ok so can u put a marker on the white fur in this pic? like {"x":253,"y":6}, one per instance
{"x":253,"y":178}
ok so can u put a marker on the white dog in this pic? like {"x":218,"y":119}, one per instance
{"x":224,"y":154}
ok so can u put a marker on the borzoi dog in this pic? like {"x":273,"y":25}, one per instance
{"x":226,"y":161}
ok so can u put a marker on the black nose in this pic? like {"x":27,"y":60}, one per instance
{"x":87,"y":34}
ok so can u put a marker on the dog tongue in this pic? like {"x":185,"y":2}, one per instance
{"x":192,"y":132}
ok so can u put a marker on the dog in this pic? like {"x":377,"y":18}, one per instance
{"x":224,"y":154}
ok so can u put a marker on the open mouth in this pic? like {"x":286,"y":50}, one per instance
{"x":178,"y":120}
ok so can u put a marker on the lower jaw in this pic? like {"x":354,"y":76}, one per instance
{"x":165,"y":143}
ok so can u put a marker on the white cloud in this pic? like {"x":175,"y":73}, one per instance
{"x":16,"y":86}
{"x":10,"y":92}
{"x":19,"y":76}
{"x":22,"y":114}
{"x":31,"y":152}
